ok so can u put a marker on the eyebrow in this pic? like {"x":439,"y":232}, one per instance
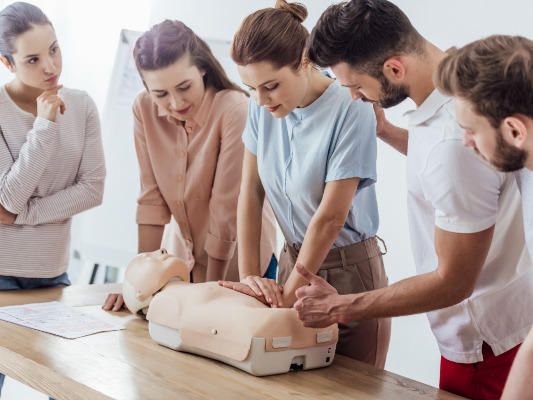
{"x":36,"y":55}
{"x":178,"y":85}
{"x":262,"y":84}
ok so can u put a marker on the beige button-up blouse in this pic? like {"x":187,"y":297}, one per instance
{"x":192,"y":171}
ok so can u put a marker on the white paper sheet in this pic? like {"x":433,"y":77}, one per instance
{"x":56,"y":318}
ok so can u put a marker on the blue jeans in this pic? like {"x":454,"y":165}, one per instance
{"x":17,"y":283}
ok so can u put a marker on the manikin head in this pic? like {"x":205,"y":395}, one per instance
{"x":146,"y":275}
{"x":268,"y":49}
{"x":492,"y":82}
{"x":177,"y":67}
{"x":363,"y":41}
{"x":28,"y":46}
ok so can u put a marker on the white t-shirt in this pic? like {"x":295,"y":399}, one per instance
{"x":449,"y":186}
{"x":524,"y":178}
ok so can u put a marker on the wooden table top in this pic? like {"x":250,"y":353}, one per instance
{"x":128,"y":364}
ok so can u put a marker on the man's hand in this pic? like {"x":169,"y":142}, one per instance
{"x":315,"y":301}
{"x":6,"y":217}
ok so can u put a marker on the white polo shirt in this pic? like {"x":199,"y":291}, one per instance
{"x":449,"y":186}
{"x":524,"y":178}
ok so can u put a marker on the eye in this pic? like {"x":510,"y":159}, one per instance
{"x":161,"y":95}
{"x":33,"y":60}
{"x":54,"y":49}
{"x":184,"y":88}
{"x":272,"y":87}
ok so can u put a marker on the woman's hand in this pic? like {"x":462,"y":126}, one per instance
{"x":6,"y":217}
{"x":48,"y":103}
{"x":264,"y":289}
{"x":114,"y":302}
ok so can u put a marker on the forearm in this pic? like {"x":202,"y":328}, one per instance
{"x":216,"y":269}
{"x":249,"y":220}
{"x":519,"y":384}
{"x":418,"y":294}
{"x":62,"y":204}
{"x":319,"y":238}
{"x":395,"y":137}
{"x":150,"y":237}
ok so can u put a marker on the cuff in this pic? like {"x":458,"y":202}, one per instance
{"x":152,"y":215}
{"x":218,"y":248}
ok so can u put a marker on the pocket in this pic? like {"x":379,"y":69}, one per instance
{"x":355,"y":279}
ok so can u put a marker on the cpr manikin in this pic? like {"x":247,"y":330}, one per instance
{"x":220,"y":323}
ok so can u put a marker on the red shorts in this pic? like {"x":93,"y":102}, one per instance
{"x":478,"y":381}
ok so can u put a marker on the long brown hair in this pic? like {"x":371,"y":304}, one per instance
{"x":168,"y":41}
{"x":272,"y":34}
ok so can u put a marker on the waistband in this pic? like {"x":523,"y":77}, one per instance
{"x":346,"y":255}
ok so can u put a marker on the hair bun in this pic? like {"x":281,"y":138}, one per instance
{"x":298,"y":10}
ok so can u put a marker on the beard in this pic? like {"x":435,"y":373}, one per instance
{"x":507,"y":158}
{"x":391,"y":95}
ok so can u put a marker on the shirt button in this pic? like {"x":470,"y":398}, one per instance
{"x":182,"y":153}
{"x":189,"y":129}
{"x":180,"y":178}
{"x":179,"y":203}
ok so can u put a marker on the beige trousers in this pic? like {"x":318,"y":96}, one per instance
{"x":355,"y":268}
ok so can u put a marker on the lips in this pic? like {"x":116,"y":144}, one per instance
{"x":184,"y":111}
{"x":52,"y":79}
{"x":273,"y":109}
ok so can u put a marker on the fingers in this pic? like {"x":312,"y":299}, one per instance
{"x":267,"y":288}
{"x":114,"y":302}
{"x":306,"y":274}
{"x":49,"y":102}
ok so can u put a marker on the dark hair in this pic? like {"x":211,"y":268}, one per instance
{"x":15,"y":19}
{"x":363,"y":34}
{"x":272,"y":34}
{"x":495,"y":75}
{"x":168,"y":41}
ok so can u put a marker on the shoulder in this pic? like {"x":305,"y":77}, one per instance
{"x":78,"y":101}
{"x":143,"y":100}
{"x":227,"y":100}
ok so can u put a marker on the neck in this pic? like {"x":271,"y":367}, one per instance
{"x":423,"y":67}
{"x":22,"y":93}
{"x":318,"y":83}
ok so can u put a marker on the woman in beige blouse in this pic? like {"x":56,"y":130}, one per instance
{"x":188,"y":126}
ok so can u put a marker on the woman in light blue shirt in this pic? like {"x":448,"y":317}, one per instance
{"x":312,"y":151}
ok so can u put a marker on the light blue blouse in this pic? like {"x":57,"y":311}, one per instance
{"x":333,"y":138}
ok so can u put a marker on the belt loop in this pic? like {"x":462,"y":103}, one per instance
{"x":384,"y":245}
{"x":343,"y":258}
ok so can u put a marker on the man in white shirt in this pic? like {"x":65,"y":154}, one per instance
{"x":474,"y":277}
{"x":492,"y":83}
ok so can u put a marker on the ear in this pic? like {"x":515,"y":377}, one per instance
{"x":305,"y":62}
{"x":515,"y":130}
{"x":394,"y":70}
{"x":7,"y":64}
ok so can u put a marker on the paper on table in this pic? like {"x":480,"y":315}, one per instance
{"x":56,"y":318}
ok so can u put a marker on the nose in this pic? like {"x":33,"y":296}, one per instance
{"x":262,"y":99}
{"x":175,"y":101}
{"x":468,"y":141}
{"x":49,"y":66}
{"x":356,"y":94}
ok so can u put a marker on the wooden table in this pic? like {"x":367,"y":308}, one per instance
{"x":128,"y":364}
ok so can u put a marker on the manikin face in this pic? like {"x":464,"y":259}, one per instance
{"x":37,"y":61}
{"x":487,"y":141}
{"x":178,"y":89}
{"x":278,"y":90}
{"x":367,"y":88}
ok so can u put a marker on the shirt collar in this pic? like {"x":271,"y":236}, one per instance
{"x":428,"y":108}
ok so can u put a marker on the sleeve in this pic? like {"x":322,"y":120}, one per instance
{"x":152,"y":209}
{"x":463,"y":189}
{"x":222,"y":235}
{"x":19,"y":179}
{"x":250,"y":134}
{"x":88,"y":190}
{"x":353,"y":151}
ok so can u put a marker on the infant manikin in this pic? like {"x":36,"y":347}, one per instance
{"x":220,"y":323}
